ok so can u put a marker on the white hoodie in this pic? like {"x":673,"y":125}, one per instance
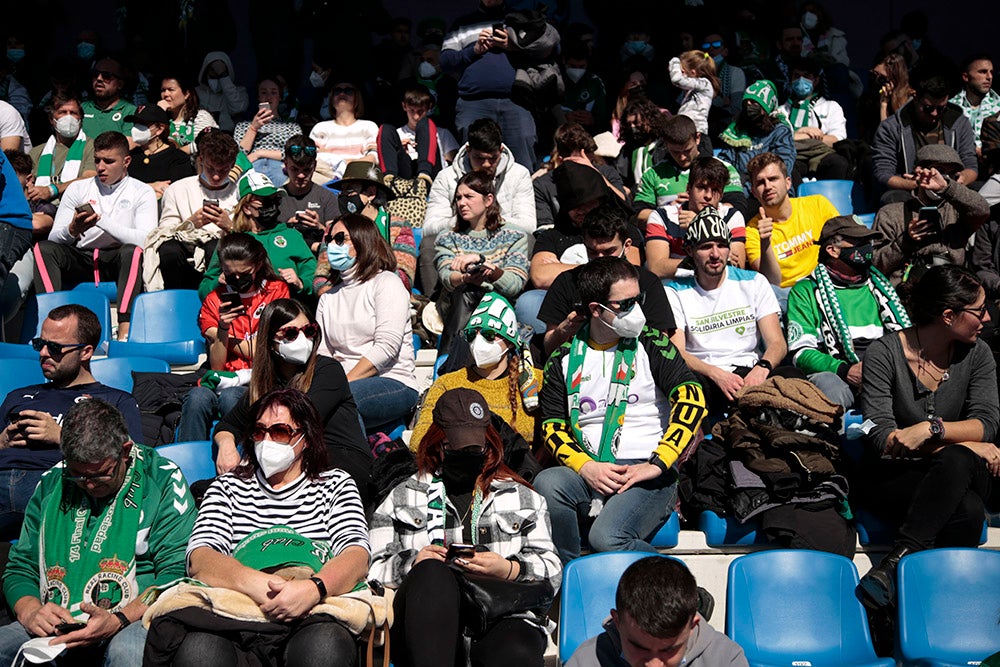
{"x":231,"y":100}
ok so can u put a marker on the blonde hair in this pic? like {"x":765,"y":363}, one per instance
{"x":703,"y":65}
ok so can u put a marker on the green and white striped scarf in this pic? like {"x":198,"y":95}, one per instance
{"x":71,"y":168}
{"x":799,"y":112}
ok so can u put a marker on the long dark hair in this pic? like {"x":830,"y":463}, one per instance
{"x":373,"y":252}
{"x":303,"y":413}
{"x":481,"y":183}
{"x":277,"y":314}
{"x":430,"y":455}
{"x":191,"y":103}
{"x":941,"y":288}
{"x":242,"y":247}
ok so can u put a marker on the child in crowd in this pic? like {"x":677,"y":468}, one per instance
{"x":694,"y":73}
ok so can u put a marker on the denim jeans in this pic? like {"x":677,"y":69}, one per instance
{"x":526,"y":309}
{"x":834,"y":388}
{"x":383,"y":403}
{"x":124,"y":650}
{"x":273,"y":169}
{"x":625,"y":522}
{"x":201,"y":407}
{"x":517,"y":125}
{"x":16,"y":487}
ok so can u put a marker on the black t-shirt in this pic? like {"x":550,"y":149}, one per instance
{"x":170,"y":164}
{"x":562,"y":297}
{"x":317,"y":199}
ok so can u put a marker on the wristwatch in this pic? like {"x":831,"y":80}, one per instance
{"x":319,"y":585}
{"x":123,"y":619}
{"x":937,"y":428}
{"x":764,"y":363}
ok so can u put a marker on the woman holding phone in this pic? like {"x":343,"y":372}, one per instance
{"x":228,"y":320}
{"x":263,"y":137}
{"x":463,"y":508}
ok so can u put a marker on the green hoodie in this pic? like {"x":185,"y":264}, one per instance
{"x":285,"y":248}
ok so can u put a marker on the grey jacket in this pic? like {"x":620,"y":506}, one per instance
{"x":894,"y":151}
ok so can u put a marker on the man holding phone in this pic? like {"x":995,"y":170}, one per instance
{"x":934,"y":225}
{"x":100,"y":229}
{"x":305,"y":206}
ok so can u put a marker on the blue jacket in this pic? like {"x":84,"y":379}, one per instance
{"x":779,"y":142}
{"x":14,"y":208}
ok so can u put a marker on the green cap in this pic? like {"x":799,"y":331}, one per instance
{"x":763,"y":93}
{"x":256,"y":183}
{"x":278,"y":547}
{"x":494,"y":313}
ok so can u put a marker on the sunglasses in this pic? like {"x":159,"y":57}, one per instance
{"x":485,"y":333}
{"x":291,"y":333}
{"x":342,"y":90}
{"x":281,"y":433}
{"x":932,"y":108}
{"x":106,"y":75}
{"x":102,"y":478}
{"x":626,"y":305}
{"x":55,"y":349}
{"x":339,"y":238}
{"x":712,"y":45}
{"x":296,"y":151}
{"x":980,"y":312}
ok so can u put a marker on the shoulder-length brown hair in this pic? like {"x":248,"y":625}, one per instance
{"x":482,"y":183}
{"x":303,"y":413}
{"x":277,"y":314}
{"x":430,"y":454}
{"x":374,"y":254}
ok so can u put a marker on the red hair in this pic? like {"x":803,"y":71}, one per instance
{"x":430,"y":455}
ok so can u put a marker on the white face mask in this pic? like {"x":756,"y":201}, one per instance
{"x":295,"y":351}
{"x":215,"y":85}
{"x":485,"y":353}
{"x":275,"y":457}
{"x":575,"y":73}
{"x":809,"y":20}
{"x":68,"y":126}
{"x":627,"y":325}
{"x":141,"y":135}
{"x":426,"y":70}
{"x":316,"y":79}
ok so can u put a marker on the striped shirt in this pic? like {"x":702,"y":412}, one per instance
{"x":328,"y":509}
{"x":338,"y":144}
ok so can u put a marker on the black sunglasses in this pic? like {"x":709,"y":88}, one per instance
{"x":485,"y":333}
{"x":55,"y":349}
{"x":337,"y":238}
{"x":279,"y":432}
{"x":290,"y":333}
{"x":343,"y":90}
{"x":296,"y":151}
{"x":931,"y":108}
{"x":106,"y":75}
{"x":625,"y":305}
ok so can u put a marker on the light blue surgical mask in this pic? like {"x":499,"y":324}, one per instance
{"x":15,"y":55}
{"x":719,"y":59}
{"x":802,"y":87}
{"x":637,"y":48}
{"x":339,"y":257}
{"x":85,"y":50}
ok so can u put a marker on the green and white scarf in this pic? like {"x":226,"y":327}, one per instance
{"x":71,"y":167}
{"x":437,"y":501}
{"x":182,"y":133}
{"x":94,"y":564}
{"x":382,"y":222}
{"x":836,"y":334}
{"x":623,"y":370}
{"x":799,"y":112}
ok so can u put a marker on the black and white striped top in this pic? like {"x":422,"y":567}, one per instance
{"x":328,"y":508}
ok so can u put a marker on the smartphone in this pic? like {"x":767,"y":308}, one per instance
{"x":263,"y":105}
{"x":460,"y":551}
{"x":231,"y":300}
{"x":932,"y":215}
{"x":85,"y":208}
{"x":497,"y":28}
{"x":298,"y":215}
{"x":478,"y":267}
{"x":205,"y":203}
{"x":63,"y":628}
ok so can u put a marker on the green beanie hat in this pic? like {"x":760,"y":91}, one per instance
{"x":274,"y":548}
{"x":494,"y":313}
{"x":763,"y":93}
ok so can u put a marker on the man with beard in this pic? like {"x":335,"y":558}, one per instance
{"x":724,"y":315}
{"x":841,"y":307}
{"x":107,"y":110}
{"x":32,"y":415}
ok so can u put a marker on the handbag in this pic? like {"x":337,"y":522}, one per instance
{"x":486,"y":600}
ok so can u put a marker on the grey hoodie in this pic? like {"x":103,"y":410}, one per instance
{"x":226,"y":103}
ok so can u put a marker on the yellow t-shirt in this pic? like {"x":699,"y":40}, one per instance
{"x":794,"y":240}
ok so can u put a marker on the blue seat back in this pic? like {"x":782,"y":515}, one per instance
{"x":794,"y":606}
{"x":108,"y":289}
{"x":117,"y":371}
{"x":16,"y":373}
{"x":92,"y":300}
{"x":193,"y":458}
{"x":165,"y":316}
{"x":588,"y":595}
{"x":17,"y":351}
{"x":838,"y":192}
{"x":949,"y":602}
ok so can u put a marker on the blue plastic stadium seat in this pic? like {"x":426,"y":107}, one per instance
{"x":108,"y":289}
{"x":117,"y":371}
{"x":91,"y":299}
{"x":17,"y":351}
{"x":949,"y":600}
{"x":726,"y":530}
{"x":441,"y":358}
{"x":666,"y":537}
{"x":798,"y":607}
{"x":868,"y":219}
{"x":164,"y":326}
{"x":193,"y":458}
{"x":17,"y":373}
{"x":838,"y":192}
{"x":588,"y":595}
{"x":872,"y":530}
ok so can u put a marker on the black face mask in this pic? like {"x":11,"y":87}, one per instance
{"x":267,"y":217}
{"x":858,"y":256}
{"x":461,"y":469}
{"x":240,"y":283}
{"x":351,"y":203}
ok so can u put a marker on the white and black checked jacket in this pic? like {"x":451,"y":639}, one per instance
{"x":514,"y":524}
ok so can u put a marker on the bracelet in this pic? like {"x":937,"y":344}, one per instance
{"x":123,"y":619}
{"x":320,"y":586}
{"x":511,"y":570}
{"x":54,"y":189}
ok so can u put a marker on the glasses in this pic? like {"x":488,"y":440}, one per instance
{"x":291,"y":333}
{"x":102,"y":478}
{"x":279,"y":432}
{"x":934,"y":108}
{"x":339,"y":238}
{"x":342,"y":90}
{"x":626,"y":305}
{"x":717,"y":44}
{"x":980,"y":312}
{"x":296,"y":151}
{"x":485,"y":333}
{"x":55,"y":349}
{"x":104,"y":74}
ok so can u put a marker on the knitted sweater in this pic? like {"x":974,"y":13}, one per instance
{"x":497,"y":395}
{"x":505,"y":248}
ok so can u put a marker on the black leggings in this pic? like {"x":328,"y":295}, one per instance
{"x":936,"y":502}
{"x":432,"y":635}
{"x":312,"y":645}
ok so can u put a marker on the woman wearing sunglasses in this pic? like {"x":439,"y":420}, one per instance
{"x":930,"y":392}
{"x":285,"y":357}
{"x":282,"y":507}
{"x":479,"y":255}
{"x":462,"y":494}
{"x":500,"y":369}
{"x":346,"y":137}
{"x":365,"y":319}
{"x":229,"y":321}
